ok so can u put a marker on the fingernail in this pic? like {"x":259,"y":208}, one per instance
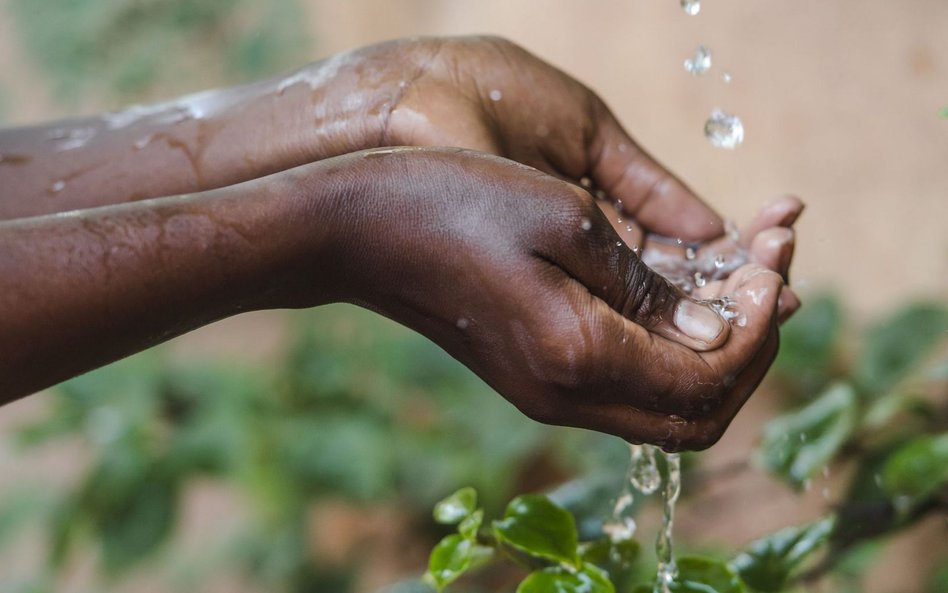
{"x":698,"y":322}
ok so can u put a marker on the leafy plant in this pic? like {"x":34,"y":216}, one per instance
{"x":880,"y":414}
{"x":122,"y":46}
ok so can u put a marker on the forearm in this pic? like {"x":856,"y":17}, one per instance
{"x":193,"y":143}
{"x":83,"y":289}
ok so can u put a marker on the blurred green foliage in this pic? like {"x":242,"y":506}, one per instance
{"x":885,"y":414}
{"x":125,"y":49}
{"x":358,"y":408}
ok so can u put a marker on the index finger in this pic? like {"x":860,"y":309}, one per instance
{"x":657,"y":199}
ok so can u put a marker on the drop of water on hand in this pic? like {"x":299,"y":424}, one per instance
{"x":719,"y":262}
{"x":690,"y":253}
{"x":699,"y":63}
{"x":496,"y":95}
{"x":724,"y":130}
{"x":58,"y":186}
{"x":586,"y":224}
{"x":700,"y":280}
{"x":691,"y":7}
{"x":726,"y":77}
{"x":462,"y":323}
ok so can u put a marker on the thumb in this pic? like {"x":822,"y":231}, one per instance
{"x":611,"y":271}
{"x":650,"y":300}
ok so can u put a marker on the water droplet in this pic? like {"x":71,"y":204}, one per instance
{"x":691,"y":7}
{"x":619,"y":220}
{"x":585,"y":224}
{"x":585,"y":182}
{"x":144,"y":141}
{"x":620,"y":531}
{"x":58,"y":186}
{"x":730,"y":229}
{"x":643,"y":469}
{"x":699,"y":280}
{"x":724,"y":130}
{"x":629,"y":228}
{"x":618,"y":205}
{"x":496,"y":95}
{"x":719,"y":262}
{"x":699,"y":63}
{"x":618,"y":243}
{"x":726,"y":77}
{"x":690,"y":253}
{"x":679,"y":241}
{"x":463,"y":323}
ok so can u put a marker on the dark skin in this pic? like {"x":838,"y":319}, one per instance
{"x":260,"y":201}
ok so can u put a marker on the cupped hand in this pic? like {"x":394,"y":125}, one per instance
{"x":488,"y":94}
{"x":698,"y":267}
{"x":521,"y":277}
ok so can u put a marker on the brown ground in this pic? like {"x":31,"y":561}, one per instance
{"x":839,"y":101}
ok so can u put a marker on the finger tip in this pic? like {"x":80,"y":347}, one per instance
{"x":698,"y":326}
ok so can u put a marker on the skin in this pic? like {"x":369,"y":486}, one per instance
{"x":125,"y":230}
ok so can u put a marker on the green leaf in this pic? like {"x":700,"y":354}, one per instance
{"x":452,"y":557}
{"x":807,"y":343}
{"x":603,"y":551}
{"x":797,"y":445}
{"x":139,"y":525}
{"x":916,"y":470}
{"x":588,"y":579}
{"x":471,"y":524}
{"x":456,"y":507}
{"x":536,"y":526}
{"x":768,"y":562}
{"x":895,"y":345}
{"x":698,"y":574}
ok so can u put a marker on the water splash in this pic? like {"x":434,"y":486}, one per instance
{"x":700,"y":62}
{"x":691,"y":7}
{"x":724,"y":130}
{"x":667,"y":570}
{"x":643,"y":468}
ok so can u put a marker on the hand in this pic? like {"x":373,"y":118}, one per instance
{"x":695,"y":268}
{"x":488,"y":94}
{"x":520,"y":276}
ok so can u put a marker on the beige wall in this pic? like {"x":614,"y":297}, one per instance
{"x":839,"y":101}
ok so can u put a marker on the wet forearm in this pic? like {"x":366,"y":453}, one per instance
{"x":82,"y":289}
{"x":189,"y":144}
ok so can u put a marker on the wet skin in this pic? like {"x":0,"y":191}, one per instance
{"x":514,"y":271}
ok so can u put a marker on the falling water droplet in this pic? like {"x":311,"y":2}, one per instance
{"x":691,"y":7}
{"x":724,"y":130}
{"x":699,"y":63}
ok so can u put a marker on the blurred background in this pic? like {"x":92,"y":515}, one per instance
{"x":302,"y":451}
